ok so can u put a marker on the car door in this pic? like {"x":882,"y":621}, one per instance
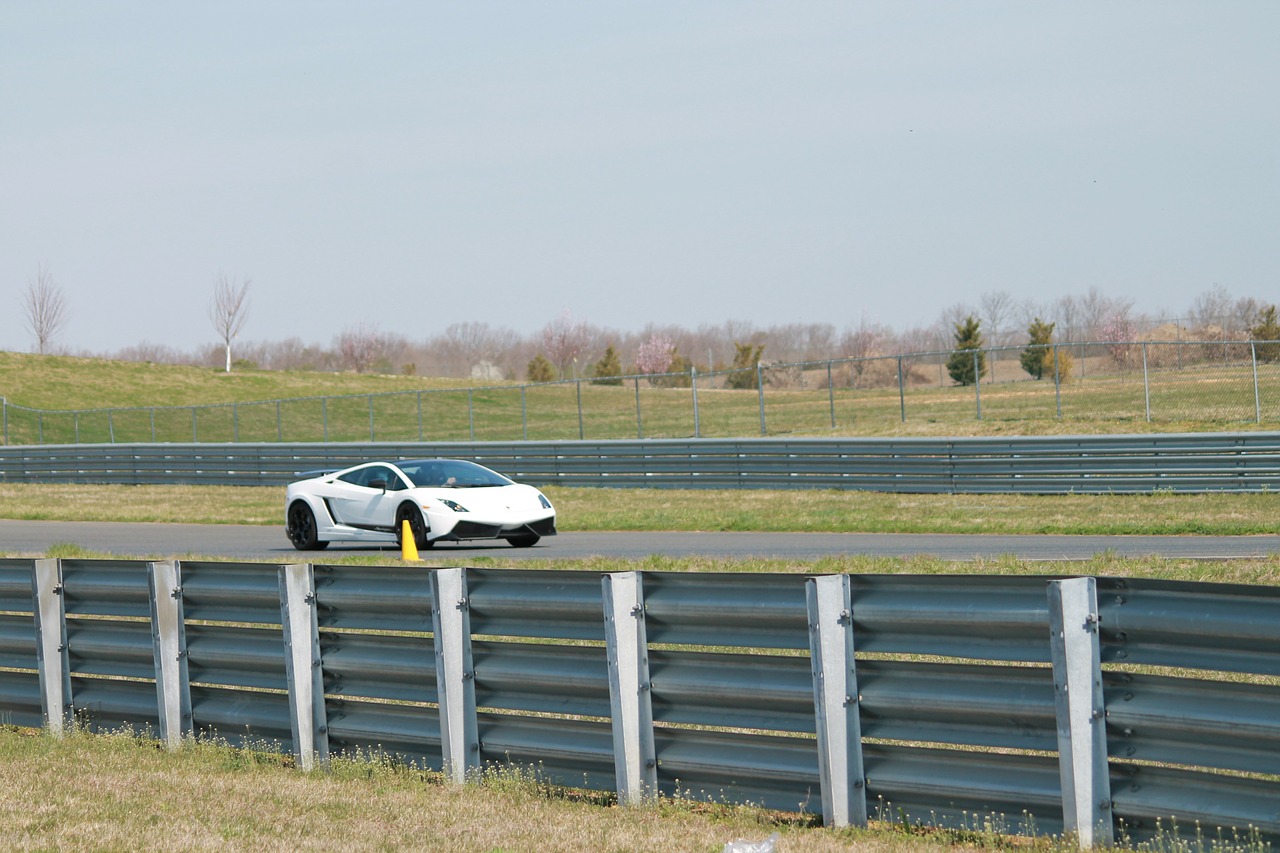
{"x":365,"y":498}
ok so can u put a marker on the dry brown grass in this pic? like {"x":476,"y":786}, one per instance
{"x":119,"y":793}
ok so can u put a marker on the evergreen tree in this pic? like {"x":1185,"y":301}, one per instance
{"x":608,"y":370}
{"x":1037,"y":354}
{"x":1266,"y":334}
{"x":540,"y":369}
{"x":962,"y":361}
{"x":744,"y":374}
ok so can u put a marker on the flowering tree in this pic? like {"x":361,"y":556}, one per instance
{"x":360,"y":346}
{"x":655,"y":354}
{"x":1118,"y":331}
{"x":564,"y":338}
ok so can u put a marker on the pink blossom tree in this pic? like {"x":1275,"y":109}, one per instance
{"x":1118,"y":332}
{"x":654,"y":355}
{"x":564,"y":339}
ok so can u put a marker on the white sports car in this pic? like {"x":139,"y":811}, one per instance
{"x":442,"y":499}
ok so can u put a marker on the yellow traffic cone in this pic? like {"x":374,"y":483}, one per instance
{"x":408,"y":546}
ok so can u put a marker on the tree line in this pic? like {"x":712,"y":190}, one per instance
{"x":569,"y":346}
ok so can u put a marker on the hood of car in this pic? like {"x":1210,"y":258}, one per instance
{"x":488,"y":498}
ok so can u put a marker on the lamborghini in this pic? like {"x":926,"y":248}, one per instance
{"x":441,"y":500}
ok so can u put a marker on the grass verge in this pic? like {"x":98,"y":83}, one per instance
{"x":121,"y":792}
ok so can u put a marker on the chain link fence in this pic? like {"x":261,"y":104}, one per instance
{"x":1218,"y":382}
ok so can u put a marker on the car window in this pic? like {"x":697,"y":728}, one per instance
{"x":451,"y":473}
{"x":366,"y":476}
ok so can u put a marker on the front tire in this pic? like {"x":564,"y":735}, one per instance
{"x":301,"y":528}
{"x":528,"y":540}
{"x":417,"y":526}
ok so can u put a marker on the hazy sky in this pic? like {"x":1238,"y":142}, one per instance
{"x":416,"y":164}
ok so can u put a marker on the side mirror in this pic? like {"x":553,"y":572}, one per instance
{"x":378,"y":484}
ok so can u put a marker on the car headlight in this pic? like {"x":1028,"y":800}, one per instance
{"x":455,"y":506}
{"x":542,"y":499}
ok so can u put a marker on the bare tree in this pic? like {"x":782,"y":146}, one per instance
{"x":229,"y":309}
{"x":996,"y":308}
{"x":46,"y":308}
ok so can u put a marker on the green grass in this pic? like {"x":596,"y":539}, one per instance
{"x":58,"y":399}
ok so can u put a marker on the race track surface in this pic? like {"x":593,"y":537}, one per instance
{"x":163,"y":541}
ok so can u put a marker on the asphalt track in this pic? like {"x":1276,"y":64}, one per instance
{"x":254,"y":543}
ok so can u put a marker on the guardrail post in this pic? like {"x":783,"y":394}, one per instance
{"x":51,"y":645}
{"x":635,"y":756}
{"x":1082,"y":737}
{"x":455,"y":674}
{"x":835,"y":701}
{"x":303,"y":665}
{"x":169,"y":649}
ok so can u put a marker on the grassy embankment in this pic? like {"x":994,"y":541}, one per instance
{"x":138,"y":402}
{"x":118,"y":793}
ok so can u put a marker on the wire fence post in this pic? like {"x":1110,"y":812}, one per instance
{"x":153,"y":424}
{"x":760,"y":394}
{"x":419,"y":414}
{"x":1146,"y":384}
{"x":524,"y":412}
{"x":693,"y":384}
{"x":977,"y":383}
{"x":77,"y":426}
{"x":111,"y":428}
{"x":324,"y":415}
{"x":831,"y":395}
{"x":1057,"y":381}
{"x":639,"y":423}
{"x":581,"y":431}
{"x":4,"y":407}
{"x":371,"y":433}
{"x":195,"y":426}
{"x":471,"y":414}
{"x":1257,"y":397}
{"x":902,"y":393}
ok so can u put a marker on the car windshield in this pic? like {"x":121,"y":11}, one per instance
{"x":452,"y":474}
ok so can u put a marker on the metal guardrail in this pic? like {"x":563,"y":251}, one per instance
{"x":1191,"y":462}
{"x":1098,"y":707}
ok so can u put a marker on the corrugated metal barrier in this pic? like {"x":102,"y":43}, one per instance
{"x":1193,"y":462}
{"x":1027,"y":704}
